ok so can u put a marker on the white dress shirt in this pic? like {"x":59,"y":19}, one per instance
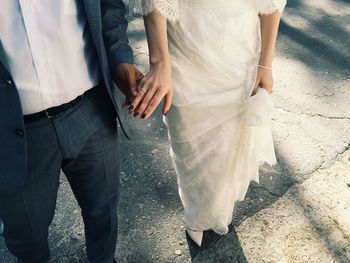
{"x":49,"y":51}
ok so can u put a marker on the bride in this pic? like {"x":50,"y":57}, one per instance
{"x":220,"y":54}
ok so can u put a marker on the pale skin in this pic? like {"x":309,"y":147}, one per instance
{"x":157,"y":84}
{"x":269,"y":30}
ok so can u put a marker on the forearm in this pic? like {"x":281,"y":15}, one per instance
{"x":269,"y":30}
{"x":114,"y":26}
{"x":156,"y":30}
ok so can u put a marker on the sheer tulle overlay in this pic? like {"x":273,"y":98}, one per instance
{"x":219,"y":133}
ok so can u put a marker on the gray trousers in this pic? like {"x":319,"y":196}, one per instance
{"x":83,"y":143}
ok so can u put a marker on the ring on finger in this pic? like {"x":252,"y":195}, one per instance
{"x":143,"y":91}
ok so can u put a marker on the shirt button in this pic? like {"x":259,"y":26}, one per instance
{"x":19,"y":132}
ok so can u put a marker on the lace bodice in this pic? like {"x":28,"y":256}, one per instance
{"x":170,"y":8}
{"x":270,"y":6}
{"x":167,"y":8}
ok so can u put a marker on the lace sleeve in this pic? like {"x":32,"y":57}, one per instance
{"x":167,"y":8}
{"x":270,"y":6}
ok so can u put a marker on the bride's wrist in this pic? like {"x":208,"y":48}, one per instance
{"x":159,"y":57}
{"x":266,"y":59}
{"x":160,"y":63}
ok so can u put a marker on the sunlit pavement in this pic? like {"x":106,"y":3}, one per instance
{"x":301,"y":210}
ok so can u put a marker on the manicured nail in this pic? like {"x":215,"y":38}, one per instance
{"x":143,"y":116}
{"x":136,"y":114}
{"x":131,"y":107}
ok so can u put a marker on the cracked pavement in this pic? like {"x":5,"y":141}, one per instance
{"x":300,"y":211}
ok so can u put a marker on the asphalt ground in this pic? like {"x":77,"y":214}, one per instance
{"x":311,"y":131}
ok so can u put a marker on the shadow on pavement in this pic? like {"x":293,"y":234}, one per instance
{"x":150,"y":209}
{"x":223,"y":249}
{"x":322,"y":42}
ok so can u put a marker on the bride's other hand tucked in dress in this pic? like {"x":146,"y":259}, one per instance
{"x":264,"y":79}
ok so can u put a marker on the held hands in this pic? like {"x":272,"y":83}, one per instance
{"x":264,"y":79}
{"x":127,"y":77}
{"x":144,"y":93}
{"x":155,"y":86}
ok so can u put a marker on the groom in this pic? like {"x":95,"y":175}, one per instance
{"x":58,"y":110}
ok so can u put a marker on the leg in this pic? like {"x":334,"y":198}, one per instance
{"x":28,"y":214}
{"x":94,"y":178}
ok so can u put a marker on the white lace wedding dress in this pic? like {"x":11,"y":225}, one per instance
{"x":219,"y":133}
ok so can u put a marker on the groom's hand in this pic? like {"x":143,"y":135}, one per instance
{"x":127,"y":78}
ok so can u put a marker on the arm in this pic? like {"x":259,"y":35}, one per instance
{"x":114,"y":26}
{"x":269,"y":30}
{"x":157,"y":83}
{"x":119,"y":53}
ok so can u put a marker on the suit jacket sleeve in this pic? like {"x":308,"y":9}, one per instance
{"x":114,"y":26}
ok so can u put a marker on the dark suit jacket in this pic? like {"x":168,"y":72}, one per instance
{"x":107,"y":23}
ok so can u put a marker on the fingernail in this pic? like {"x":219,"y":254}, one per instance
{"x":143,"y":116}
{"x":131,"y":107}
{"x":136,"y":114}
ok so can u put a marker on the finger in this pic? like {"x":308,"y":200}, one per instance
{"x":256,"y":85}
{"x":146,"y":101}
{"x":139,"y":75}
{"x":139,"y":96}
{"x":157,"y":98}
{"x":127,"y":102}
{"x":143,"y":89}
{"x":124,"y":89}
{"x":131,"y":78}
{"x":133,"y":108}
{"x":167,"y":102}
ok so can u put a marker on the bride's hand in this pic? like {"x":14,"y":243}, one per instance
{"x":155,"y":86}
{"x":264,"y":79}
